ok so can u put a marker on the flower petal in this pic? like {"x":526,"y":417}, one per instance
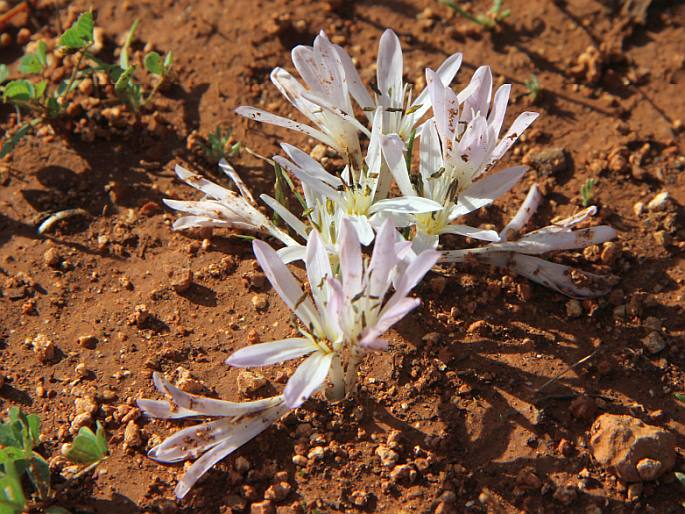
{"x":292,"y":220}
{"x":472,"y":232}
{"x":389,"y":68}
{"x":517,"y":128}
{"x":266,"y":354}
{"x":406,"y":205}
{"x":393,"y":150}
{"x":266,"y":117}
{"x":523,"y":215}
{"x":307,"y":379}
{"x":486,"y":190}
{"x":285,"y":284}
{"x":350,"y":253}
{"x":243,"y":431}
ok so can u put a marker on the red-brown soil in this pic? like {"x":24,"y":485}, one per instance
{"x":464,"y":399}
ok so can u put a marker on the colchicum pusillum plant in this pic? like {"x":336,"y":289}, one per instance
{"x":342,"y":212}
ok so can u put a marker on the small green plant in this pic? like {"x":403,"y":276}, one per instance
{"x":587,"y":192}
{"x":45,"y":103}
{"x":19,"y":437}
{"x":533,"y":87}
{"x":218,"y":147}
{"x":489,"y":20}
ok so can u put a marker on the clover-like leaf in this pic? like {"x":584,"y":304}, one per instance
{"x":153,"y":63}
{"x":35,"y":62}
{"x":12,"y":500}
{"x":19,"y":91}
{"x":88,"y":447}
{"x":80,"y":34}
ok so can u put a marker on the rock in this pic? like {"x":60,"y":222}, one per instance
{"x":139,"y":316}
{"x":432,"y":338}
{"x":44,"y":348}
{"x":241,"y":464}
{"x":181,"y":280}
{"x":659,"y":202}
{"x":185,"y":381}
{"x":573,"y":309}
{"x":52,"y":258}
{"x":359,"y":498}
{"x":620,"y":443}
{"x":550,"y":161}
{"x":316,"y":453}
{"x":638,"y":208}
{"x":583,"y":407}
{"x":654,"y":342}
{"x":403,"y":473}
{"x":82,"y":370}
{"x":648,"y":469}
{"x":318,"y":152}
{"x":566,"y":494}
{"x":610,"y":252}
{"x":278,"y":492}
{"x":132,"y":437}
{"x":260,"y":302}
{"x":635,"y":491}
{"x":265,"y":507}
{"x":80,"y":420}
{"x":300,"y":460}
{"x":527,"y":479}
{"x":89,"y":341}
{"x":86,"y":405}
{"x":388,"y":457}
{"x":249,"y":381}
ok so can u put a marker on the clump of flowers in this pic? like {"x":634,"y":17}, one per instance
{"x":355,"y":299}
{"x":343,"y":319}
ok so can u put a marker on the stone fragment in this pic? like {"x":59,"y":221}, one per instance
{"x":654,"y":342}
{"x":631,"y":449}
{"x":659,"y":202}
{"x":550,"y":161}
{"x":250,"y":382}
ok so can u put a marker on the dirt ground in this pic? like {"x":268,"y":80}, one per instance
{"x":458,"y":395}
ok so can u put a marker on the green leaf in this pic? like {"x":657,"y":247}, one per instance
{"x":123,"y":81}
{"x":12,"y":500}
{"x":4,"y":73}
{"x":80,"y":34}
{"x":88,"y":447}
{"x":123,"y":56}
{"x":680,"y":396}
{"x":7,"y":147}
{"x":38,"y":471}
{"x":35,"y":62}
{"x":168,"y":61}
{"x":40,"y":89}
{"x":54,"y":108}
{"x":153,"y":63}
{"x":19,"y":91}
{"x":680,"y":476}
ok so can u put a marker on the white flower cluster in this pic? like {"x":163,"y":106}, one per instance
{"x":351,"y":304}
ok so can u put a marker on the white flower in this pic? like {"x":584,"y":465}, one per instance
{"x":353,"y":195}
{"x":324,"y":100}
{"x":222,"y":207}
{"x":516,"y":251}
{"x":401,"y":114}
{"x":331,"y":80}
{"x":458,"y":145}
{"x":211,"y":441}
{"x":344,"y":318}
